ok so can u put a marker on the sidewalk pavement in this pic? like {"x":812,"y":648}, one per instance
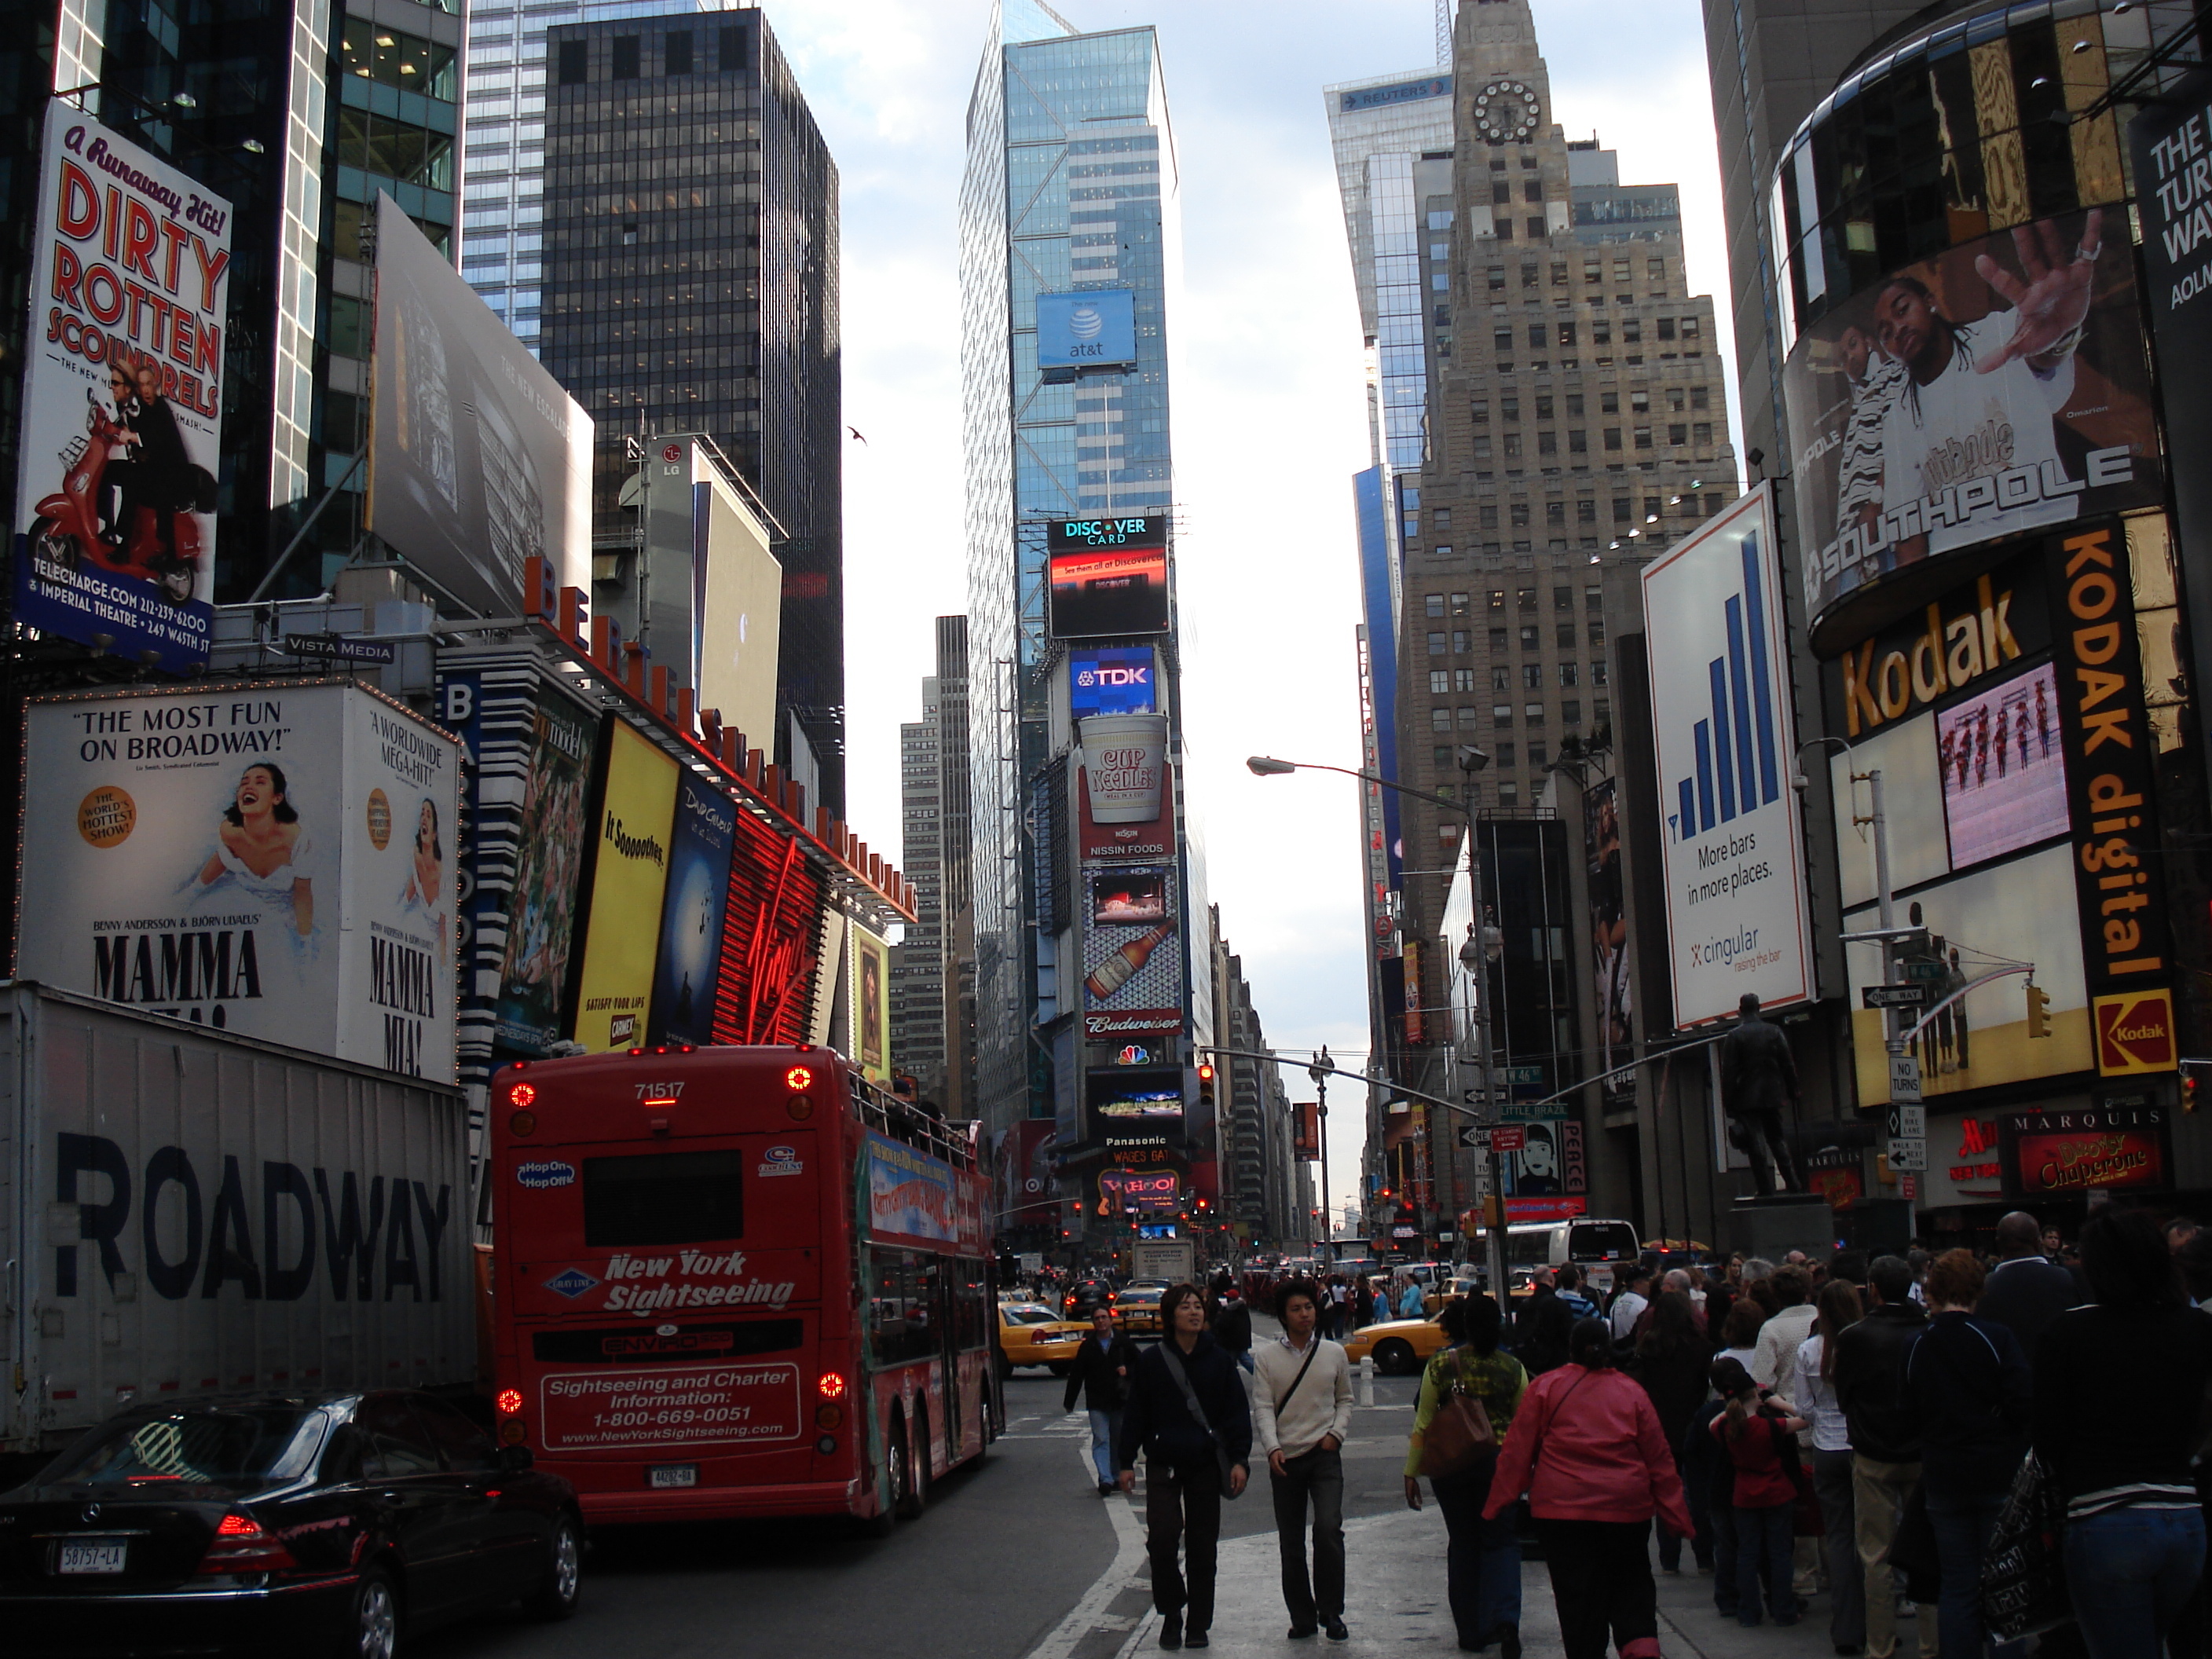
{"x":1396,"y":1593}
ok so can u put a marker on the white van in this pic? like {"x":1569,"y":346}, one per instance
{"x":1596,"y":1246}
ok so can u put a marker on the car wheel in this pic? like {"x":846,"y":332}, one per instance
{"x":1059,"y":1368}
{"x":556,"y":1595}
{"x":369,"y":1627}
{"x":1394,"y":1357}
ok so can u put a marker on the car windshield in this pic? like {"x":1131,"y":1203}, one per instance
{"x":1029,"y":1316}
{"x":1128,"y":1297}
{"x":229,"y":1447}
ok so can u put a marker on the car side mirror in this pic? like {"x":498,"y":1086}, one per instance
{"x":514,"y":1460}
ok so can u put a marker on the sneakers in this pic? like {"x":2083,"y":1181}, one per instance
{"x":1336,"y":1631}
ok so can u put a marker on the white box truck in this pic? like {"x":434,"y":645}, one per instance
{"x":186,"y":1212}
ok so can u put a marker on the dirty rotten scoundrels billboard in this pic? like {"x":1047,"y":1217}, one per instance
{"x":122,"y":399}
{"x":272,"y":860}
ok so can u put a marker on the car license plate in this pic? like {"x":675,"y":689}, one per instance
{"x":674,"y":1474}
{"x":94,"y":1555}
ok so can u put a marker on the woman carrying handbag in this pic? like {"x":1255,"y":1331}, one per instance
{"x":1468,"y":1395}
{"x":1587,"y":1448}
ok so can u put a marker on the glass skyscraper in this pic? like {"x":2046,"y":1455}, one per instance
{"x":1070,"y":184}
{"x":1392,"y":135}
{"x":690,"y":260}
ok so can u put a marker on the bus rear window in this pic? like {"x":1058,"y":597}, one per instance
{"x":1601,"y":1241}
{"x":663,"y":1198}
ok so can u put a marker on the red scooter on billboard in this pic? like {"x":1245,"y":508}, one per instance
{"x":157,"y":536}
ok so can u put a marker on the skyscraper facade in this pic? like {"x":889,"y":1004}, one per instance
{"x":1069,"y":185}
{"x":1068,"y":226}
{"x":1392,"y":140}
{"x":1577,"y":420}
{"x":932,"y":969}
{"x":689,"y":258}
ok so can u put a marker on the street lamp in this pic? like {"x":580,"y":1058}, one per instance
{"x":1470,"y":760}
{"x":1319,"y":1073}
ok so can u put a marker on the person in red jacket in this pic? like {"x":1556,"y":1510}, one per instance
{"x":1761,"y":1440}
{"x":1587,"y":1448}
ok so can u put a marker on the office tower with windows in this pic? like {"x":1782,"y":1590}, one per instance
{"x":298,"y":115}
{"x":1579,"y":422}
{"x":690,"y":259}
{"x":1070,"y":186}
{"x":934,"y":969}
{"x":1392,"y":135}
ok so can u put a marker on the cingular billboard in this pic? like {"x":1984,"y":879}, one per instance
{"x":274,"y":859}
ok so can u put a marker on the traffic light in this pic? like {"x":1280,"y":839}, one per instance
{"x":2192,"y":1081}
{"x":1206,"y":1083}
{"x":2038,"y":1012}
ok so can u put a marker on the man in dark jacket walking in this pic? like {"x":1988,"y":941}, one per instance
{"x":1758,"y":1078}
{"x":1191,"y":1459}
{"x":1233,"y":1328}
{"x":1100,"y":1374}
{"x":1869,"y":1382}
{"x":2026,"y":1290}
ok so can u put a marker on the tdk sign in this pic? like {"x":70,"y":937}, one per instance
{"x":1092,"y":328}
{"x":1110,"y":679}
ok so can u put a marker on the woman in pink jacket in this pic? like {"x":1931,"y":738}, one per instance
{"x":1587,"y":1448}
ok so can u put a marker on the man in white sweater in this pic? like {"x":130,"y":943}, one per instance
{"x":1301,"y":1413}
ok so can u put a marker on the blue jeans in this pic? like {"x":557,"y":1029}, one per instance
{"x":2129,"y":1572}
{"x":1764,"y":1538}
{"x":1482,"y":1562}
{"x":1105,"y":1430}
{"x":1963,"y":1522}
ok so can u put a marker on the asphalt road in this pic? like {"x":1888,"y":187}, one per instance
{"x":990,"y":1572}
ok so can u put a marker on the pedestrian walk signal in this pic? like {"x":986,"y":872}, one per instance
{"x":2038,"y":1012}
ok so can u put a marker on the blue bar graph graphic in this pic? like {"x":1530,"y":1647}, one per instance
{"x":1738,"y":753}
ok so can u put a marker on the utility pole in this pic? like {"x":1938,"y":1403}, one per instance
{"x":1319,"y":1073}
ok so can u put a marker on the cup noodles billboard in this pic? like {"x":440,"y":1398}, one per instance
{"x":1123,"y":788}
{"x":274,"y":859}
{"x":1996,"y":387}
{"x":123,"y":398}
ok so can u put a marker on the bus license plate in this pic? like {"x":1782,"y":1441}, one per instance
{"x":668,"y":1474}
{"x":94,"y":1555}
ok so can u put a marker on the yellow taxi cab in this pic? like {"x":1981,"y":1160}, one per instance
{"x":1030,"y":1333}
{"x":1137,"y":1310}
{"x":1401,"y":1346}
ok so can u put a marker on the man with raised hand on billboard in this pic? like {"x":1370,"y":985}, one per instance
{"x":1980,"y":398}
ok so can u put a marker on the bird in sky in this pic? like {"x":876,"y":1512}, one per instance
{"x":857,"y":433}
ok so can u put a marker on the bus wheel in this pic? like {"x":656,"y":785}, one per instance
{"x":1394,"y":1357}
{"x":915,"y":1494}
{"x":879,"y":1524}
{"x":989,"y":1413}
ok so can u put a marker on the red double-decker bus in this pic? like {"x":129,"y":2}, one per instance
{"x":736,"y":1281}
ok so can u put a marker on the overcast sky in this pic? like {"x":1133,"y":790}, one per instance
{"x":1267,"y":418}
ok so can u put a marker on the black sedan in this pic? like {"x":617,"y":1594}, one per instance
{"x":320,"y":1524}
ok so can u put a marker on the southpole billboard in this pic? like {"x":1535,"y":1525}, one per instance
{"x":274,"y":859}
{"x":122,"y":399}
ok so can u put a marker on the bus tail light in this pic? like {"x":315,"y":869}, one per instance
{"x":523,"y":1094}
{"x":514,"y":1432}
{"x":522,"y":1123}
{"x":828,"y":1417}
{"x":798,"y":1079}
{"x":509,"y":1402}
{"x":826,"y":1445}
{"x":831,"y":1385}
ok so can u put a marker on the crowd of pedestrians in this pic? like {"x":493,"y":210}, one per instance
{"x":1848,"y":1427}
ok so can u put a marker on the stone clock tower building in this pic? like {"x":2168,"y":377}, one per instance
{"x":1577,"y":421}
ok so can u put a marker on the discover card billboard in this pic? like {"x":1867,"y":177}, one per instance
{"x":274,"y":859}
{"x":1725,"y":734}
{"x":123,"y":399}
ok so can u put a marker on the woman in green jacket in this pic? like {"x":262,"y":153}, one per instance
{"x":1483,"y":1562}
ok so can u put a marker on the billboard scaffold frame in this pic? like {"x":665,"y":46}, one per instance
{"x":863,"y":882}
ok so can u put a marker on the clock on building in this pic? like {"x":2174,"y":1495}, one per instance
{"x":1505,"y":111}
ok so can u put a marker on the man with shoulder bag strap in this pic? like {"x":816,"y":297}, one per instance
{"x":1301,"y":1415}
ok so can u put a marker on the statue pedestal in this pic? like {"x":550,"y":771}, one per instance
{"x":1772,"y":1227}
